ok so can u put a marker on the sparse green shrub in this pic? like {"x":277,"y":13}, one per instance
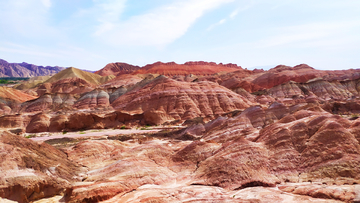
{"x":30,"y":136}
{"x":123,"y":127}
{"x":64,"y":132}
{"x":260,"y":92}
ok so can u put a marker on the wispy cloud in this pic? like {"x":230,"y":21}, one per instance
{"x":232,"y":15}
{"x":27,"y":18}
{"x":25,"y":50}
{"x":158,"y":27}
{"x":222,"y":21}
{"x":109,"y":15}
{"x":307,"y":33}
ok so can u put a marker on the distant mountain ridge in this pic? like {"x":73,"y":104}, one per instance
{"x":117,"y":69}
{"x":26,"y":70}
{"x":169,"y":69}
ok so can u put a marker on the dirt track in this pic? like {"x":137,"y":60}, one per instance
{"x":90,"y":133}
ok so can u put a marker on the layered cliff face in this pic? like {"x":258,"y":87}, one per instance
{"x":164,"y":99}
{"x":95,"y":98}
{"x":25,"y":69}
{"x":49,"y":102}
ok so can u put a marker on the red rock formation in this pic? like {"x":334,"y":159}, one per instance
{"x":195,"y":68}
{"x":38,"y":123}
{"x":165,"y":99}
{"x":117,"y":69}
{"x":58,"y":123}
{"x":238,"y":156}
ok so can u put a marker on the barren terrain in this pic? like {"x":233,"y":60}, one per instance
{"x":193,"y":132}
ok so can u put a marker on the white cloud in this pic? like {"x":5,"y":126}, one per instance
{"x":47,"y":3}
{"x":158,"y":27}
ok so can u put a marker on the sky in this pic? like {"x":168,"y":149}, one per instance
{"x":88,"y":34}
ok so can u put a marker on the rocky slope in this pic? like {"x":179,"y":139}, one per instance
{"x":11,"y":99}
{"x":25,"y":69}
{"x":15,"y":95}
{"x":30,"y":171}
{"x":231,"y":157}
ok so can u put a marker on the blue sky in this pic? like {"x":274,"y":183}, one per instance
{"x":88,"y":34}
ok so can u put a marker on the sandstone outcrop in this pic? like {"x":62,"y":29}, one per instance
{"x":38,"y":123}
{"x":12,"y":121}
